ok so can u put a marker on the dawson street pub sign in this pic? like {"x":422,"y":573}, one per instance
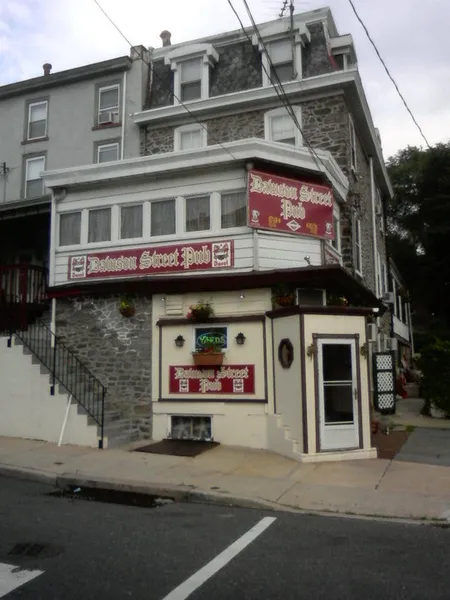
{"x":153,"y":260}
{"x":289,"y":205}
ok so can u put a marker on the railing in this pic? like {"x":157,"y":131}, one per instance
{"x":67,"y":370}
{"x":22,"y":293}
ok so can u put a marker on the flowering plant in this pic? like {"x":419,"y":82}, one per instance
{"x":201,"y":310}
{"x":209,"y":348}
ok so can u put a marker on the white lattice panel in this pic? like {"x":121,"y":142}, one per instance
{"x":384,"y":361}
{"x":385,"y":381}
{"x":386,"y":401}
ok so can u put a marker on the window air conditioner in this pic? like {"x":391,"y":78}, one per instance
{"x":390,"y":344}
{"x":107,"y":117}
{"x":388,"y":297}
{"x":372,"y":332}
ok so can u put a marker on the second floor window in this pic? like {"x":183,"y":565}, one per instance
{"x":336,"y":242}
{"x":108,"y":105}
{"x":234,"y":209}
{"x":197,"y":213}
{"x":162,"y":218}
{"x":69,"y":228}
{"x":191,"y":79}
{"x":131,"y":222}
{"x":190,"y":137}
{"x":281,"y":58}
{"x":37,"y":120}
{"x":107,"y":152}
{"x":34,"y":186}
{"x":281,"y":127}
{"x":99,"y":227}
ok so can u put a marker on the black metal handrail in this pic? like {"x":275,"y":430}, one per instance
{"x":67,"y":370}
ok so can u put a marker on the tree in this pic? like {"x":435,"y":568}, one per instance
{"x":419,"y":231}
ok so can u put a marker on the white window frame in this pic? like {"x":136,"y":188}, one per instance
{"x":224,"y":193}
{"x":58,"y":232}
{"x":208,"y":56}
{"x":113,"y":208}
{"x":108,"y":145}
{"x":337,"y":230}
{"x":353,"y":145}
{"x":185,"y":202}
{"x":186,"y":129}
{"x":114,"y":110}
{"x":27,"y":162}
{"x":357,"y":245}
{"x":30,"y":106}
{"x":119,"y":232}
{"x":301,"y":36}
{"x":278,"y":112}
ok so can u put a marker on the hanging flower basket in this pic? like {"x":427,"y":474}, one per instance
{"x":200,"y":312}
{"x":208,"y":359}
{"x":288,"y":300}
{"x":127,"y":307}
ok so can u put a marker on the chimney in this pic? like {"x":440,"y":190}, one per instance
{"x":47,"y":68}
{"x":165,"y":36}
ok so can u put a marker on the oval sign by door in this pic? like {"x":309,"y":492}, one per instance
{"x":286,"y":353}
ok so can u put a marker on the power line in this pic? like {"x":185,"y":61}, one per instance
{"x":280,"y":92}
{"x":388,"y":73}
{"x":163,"y":82}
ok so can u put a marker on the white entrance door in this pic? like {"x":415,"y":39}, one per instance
{"x":338,"y":394}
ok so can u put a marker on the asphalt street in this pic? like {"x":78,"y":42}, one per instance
{"x":61,"y":548}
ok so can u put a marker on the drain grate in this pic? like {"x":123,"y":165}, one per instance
{"x":26,"y":549}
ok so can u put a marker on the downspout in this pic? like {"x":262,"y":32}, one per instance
{"x":374,"y":226}
{"x":124,"y":96}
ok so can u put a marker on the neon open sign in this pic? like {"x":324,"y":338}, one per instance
{"x":216,"y":336}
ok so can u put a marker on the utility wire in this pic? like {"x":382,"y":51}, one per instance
{"x":163,"y":82}
{"x":388,"y":73}
{"x":280,"y":89}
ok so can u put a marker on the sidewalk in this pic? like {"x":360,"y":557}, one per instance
{"x":242,"y":477}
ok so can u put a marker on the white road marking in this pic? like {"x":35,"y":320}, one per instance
{"x":184,"y":590}
{"x":12,"y":577}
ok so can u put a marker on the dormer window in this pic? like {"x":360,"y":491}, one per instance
{"x":191,"y":79}
{"x":190,"y":65}
{"x":281,"y":56}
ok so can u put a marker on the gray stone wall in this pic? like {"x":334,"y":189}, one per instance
{"x":315,"y":60}
{"x":116,"y":349}
{"x":236,"y":127}
{"x":239,"y":68}
{"x":160,"y":140}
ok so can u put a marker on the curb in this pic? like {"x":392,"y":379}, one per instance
{"x":27,"y":474}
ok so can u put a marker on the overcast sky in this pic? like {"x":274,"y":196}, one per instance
{"x":412,"y":36}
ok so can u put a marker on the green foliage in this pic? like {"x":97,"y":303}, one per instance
{"x":434,"y":363}
{"x":419,"y":231}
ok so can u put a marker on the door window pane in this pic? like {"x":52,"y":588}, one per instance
{"x":69,"y":229}
{"x":99,"y":225}
{"x":163,"y":218}
{"x":338,"y":403}
{"x":197,"y":213}
{"x":131,"y":222}
{"x":234,"y":209}
{"x":337,"y":362}
{"x":338,"y":383}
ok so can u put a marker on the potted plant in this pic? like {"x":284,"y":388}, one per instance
{"x":126,"y":306}
{"x":283,"y":295}
{"x":209,"y":355}
{"x":201,"y":311}
{"x":337,"y":300}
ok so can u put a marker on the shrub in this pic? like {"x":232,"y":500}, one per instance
{"x":435,"y":366}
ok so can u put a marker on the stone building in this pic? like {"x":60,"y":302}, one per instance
{"x":268,"y":211}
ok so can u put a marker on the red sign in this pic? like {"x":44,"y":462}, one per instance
{"x":230,"y":379}
{"x":156,"y":259}
{"x":289,"y":205}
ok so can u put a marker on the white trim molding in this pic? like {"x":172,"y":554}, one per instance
{"x":191,"y":128}
{"x":207,"y":56}
{"x":282,"y":112}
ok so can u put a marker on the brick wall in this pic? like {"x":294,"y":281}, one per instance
{"x":116,"y":349}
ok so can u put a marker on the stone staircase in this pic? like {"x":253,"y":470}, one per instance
{"x":72,"y":380}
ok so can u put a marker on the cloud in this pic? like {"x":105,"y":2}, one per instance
{"x":408,"y":33}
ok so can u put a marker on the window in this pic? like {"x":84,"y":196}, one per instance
{"x":189,"y":137}
{"x":197,"y":213}
{"x":357,"y":245}
{"x":37,"y":120}
{"x":191,"y":79}
{"x":234,"y":209}
{"x":379,"y":210}
{"x":69,"y":228}
{"x":280,"y":54}
{"x":162,"y":218}
{"x":107,"y":152}
{"x":108,"y":105}
{"x":281,"y":127}
{"x":336,"y":242}
{"x":99,"y":225}
{"x":353,"y":155}
{"x":34,"y":186}
{"x":131,"y":222}
{"x":205,"y":336}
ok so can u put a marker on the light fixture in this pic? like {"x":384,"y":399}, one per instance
{"x":307,"y":259}
{"x":240,"y":339}
{"x":163,"y":298}
{"x":364,"y":349}
{"x":179,"y":341}
{"x":311,"y":350}
{"x":242,"y":295}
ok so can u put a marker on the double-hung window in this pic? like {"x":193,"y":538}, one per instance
{"x":357,"y":248}
{"x":198,"y":213}
{"x":34,"y":186}
{"x":190,"y":137}
{"x":108,"y":105}
{"x":281,"y":61}
{"x":336,"y":242}
{"x":99,"y":225}
{"x":37,"y":120}
{"x":281,"y":127}
{"x":107,"y":152}
{"x":233,"y":209}
{"x":191,"y":79}
{"x":131,"y":221}
{"x":69,"y":228}
{"x":353,"y":150}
